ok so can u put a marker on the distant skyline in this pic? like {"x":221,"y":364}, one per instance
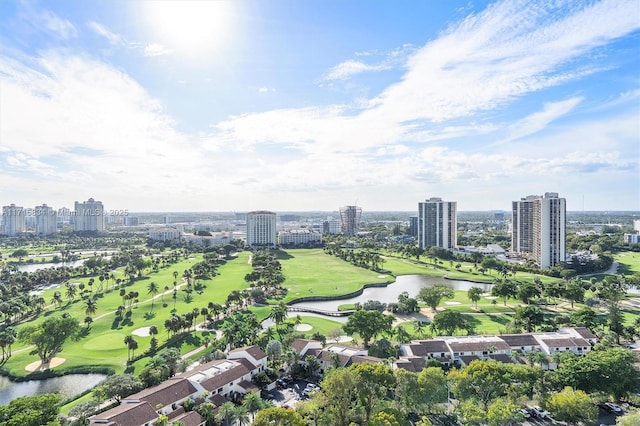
{"x":212,"y":106}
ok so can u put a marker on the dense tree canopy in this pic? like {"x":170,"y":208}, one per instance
{"x":36,"y":410}
{"x":49,"y":336}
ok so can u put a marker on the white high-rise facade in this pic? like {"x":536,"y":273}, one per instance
{"x":46,"y":220}
{"x":437,"y":223}
{"x":539,"y":228}
{"x":13,"y":220}
{"x":261,"y":229}
{"x":88,"y":216}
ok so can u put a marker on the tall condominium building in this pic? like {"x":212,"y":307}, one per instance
{"x":350,"y":218}
{"x":89,"y":216}
{"x":538,"y":229}
{"x":437,"y":223}
{"x":46,"y":220}
{"x":261,"y":229}
{"x":413,"y":226}
{"x":13,"y":220}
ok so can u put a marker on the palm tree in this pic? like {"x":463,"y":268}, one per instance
{"x":88,"y":320}
{"x":153,"y":289}
{"x":92,"y":307}
{"x":418,"y":325}
{"x":226,"y":413}
{"x":241,"y":415}
{"x":127,"y":341}
{"x":252,"y":403}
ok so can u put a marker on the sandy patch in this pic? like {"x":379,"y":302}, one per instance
{"x":142,"y":332}
{"x":39,"y":366}
{"x":303,"y":327}
{"x":491,"y":297}
{"x":382,"y":276}
{"x":452,"y":303}
{"x":341,"y":339}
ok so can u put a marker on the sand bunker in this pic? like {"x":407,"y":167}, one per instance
{"x":382,"y":276}
{"x":303,"y":327}
{"x":452,"y":303}
{"x":491,"y":297}
{"x":39,"y":366}
{"x":142,"y":332}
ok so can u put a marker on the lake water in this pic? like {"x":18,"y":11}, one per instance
{"x":409,"y":283}
{"x":31,"y":267}
{"x":67,"y":386}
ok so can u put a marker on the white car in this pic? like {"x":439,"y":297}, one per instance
{"x":614,"y":408}
{"x":540,"y":412}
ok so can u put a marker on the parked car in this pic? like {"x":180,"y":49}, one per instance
{"x":612,"y":408}
{"x":540,"y":412}
{"x":525,"y":413}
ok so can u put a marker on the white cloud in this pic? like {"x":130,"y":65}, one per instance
{"x":103,"y":31}
{"x":155,"y":49}
{"x":57,"y":25}
{"x":351,"y":67}
{"x":265,"y":89}
{"x":539,"y":120}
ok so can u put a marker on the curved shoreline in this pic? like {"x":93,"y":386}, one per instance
{"x":338,"y":297}
{"x":446,"y":277}
{"x":49,"y":374}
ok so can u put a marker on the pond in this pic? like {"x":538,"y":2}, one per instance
{"x":409,"y":283}
{"x":32,"y":267}
{"x":67,"y":386}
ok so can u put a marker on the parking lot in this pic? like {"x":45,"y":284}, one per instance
{"x":289,"y":395}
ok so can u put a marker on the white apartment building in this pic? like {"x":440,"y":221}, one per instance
{"x":165,"y":234}
{"x":298,"y":237}
{"x":46,"y":220}
{"x":437,"y":223}
{"x":89,"y":216}
{"x":539,"y":228}
{"x":261,"y":229}
{"x":13,"y":220}
{"x":331,"y":226}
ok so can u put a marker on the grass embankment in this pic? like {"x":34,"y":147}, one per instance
{"x":103,"y":345}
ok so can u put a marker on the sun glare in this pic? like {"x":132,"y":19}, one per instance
{"x":197,"y":30}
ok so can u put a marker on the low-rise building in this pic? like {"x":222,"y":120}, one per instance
{"x":299,"y":237}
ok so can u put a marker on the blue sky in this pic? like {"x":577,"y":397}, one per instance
{"x":312,"y":105}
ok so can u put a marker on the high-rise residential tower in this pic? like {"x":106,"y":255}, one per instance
{"x":46,"y":220}
{"x":88,"y":216}
{"x":350,"y":218}
{"x":261,"y":229}
{"x":13,"y":220}
{"x":539,"y":228}
{"x":437,"y":223}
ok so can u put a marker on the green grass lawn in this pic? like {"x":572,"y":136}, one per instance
{"x":310,"y":272}
{"x":319,"y":325}
{"x":628,"y":262}
{"x":103,"y":345}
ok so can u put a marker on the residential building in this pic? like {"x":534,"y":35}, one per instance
{"x":131,"y":221}
{"x":631,"y":238}
{"x":46,"y":220}
{"x":214,"y":382}
{"x":437,"y":223}
{"x":539,"y":229}
{"x":215,"y":239}
{"x":350,"y":219}
{"x":331,"y":226}
{"x":139,"y":414}
{"x":509,"y":348}
{"x":166,"y":396}
{"x":165,"y":234}
{"x":413,"y":226}
{"x":299,"y":237}
{"x":261,"y":229}
{"x":89,"y":216}
{"x":13,"y":220}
